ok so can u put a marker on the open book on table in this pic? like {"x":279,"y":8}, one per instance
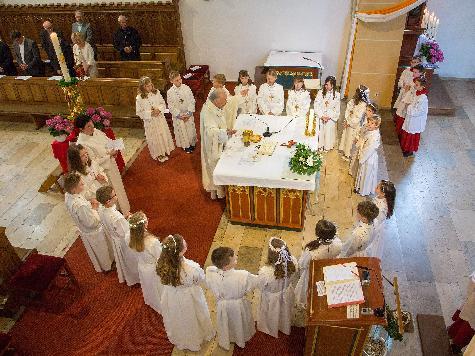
{"x":343,"y":285}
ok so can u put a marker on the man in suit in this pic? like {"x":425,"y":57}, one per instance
{"x":27,"y":55}
{"x":6,"y":60}
{"x":85,"y":29}
{"x":49,"y":49}
{"x":127,"y":41}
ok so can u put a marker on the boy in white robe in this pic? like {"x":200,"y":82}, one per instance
{"x":117,"y":229}
{"x":86,"y":218}
{"x":354,"y":115}
{"x":327,"y":111}
{"x":246,"y":94}
{"x":327,"y":245}
{"x":363,"y":233}
{"x":367,"y":156}
{"x":181,"y":104}
{"x":405,"y":80}
{"x":276,"y":283}
{"x":298,"y":101}
{"x":230,"y":109}
{"x":230,"y":286}
{"x":270,"y":98}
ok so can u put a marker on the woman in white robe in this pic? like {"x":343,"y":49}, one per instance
{"x":147,"y":249}
{"x":327,"y":111}
{"x":354,"y":113}
{"x":246,"y":94}
{"x":86,"y":219}
{"x":181,"y":104}
{"x":84,"y":55}
{"x":367,"y":177}
{"x":233,"y":315}
{"x":185,"y":312}
{"x":276,"y":283}
{"x":150,"y":106}
{"x":270,"y":98}
{"x":298,"y":101}
{"x":327,"y":245}
{"x":97,"y":143}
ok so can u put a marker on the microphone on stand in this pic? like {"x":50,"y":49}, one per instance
{"x":267,"y":133}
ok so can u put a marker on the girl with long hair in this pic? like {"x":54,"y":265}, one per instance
{"x":184,"y":309}
{"x":275,"y":280}
{"x":298,"y":101}
{"x":246,"y":93}
{"x":327,"y":110}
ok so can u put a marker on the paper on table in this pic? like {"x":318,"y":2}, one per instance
{"x":341,"y":272}
{"x":195,"y":68}
{"x":352,"y":311}
{"x":117,"y":145}
{"x":343,"y":285}
{"x":24,"y":77}
{"x":188,"y":75}
{"x":2,"y":75}
{"x":55,"y":77}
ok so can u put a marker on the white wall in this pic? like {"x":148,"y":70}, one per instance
{"x":230,"y":35}
{"x":456,"y":36}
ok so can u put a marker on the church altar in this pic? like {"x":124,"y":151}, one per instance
{"x":261,"y":189}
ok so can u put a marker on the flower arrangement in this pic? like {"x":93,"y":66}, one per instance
{"x":305,"y":160}
{"x":59,"y":125}
{"x":64,"y":84}
{"x":432,"y":52}
{"x":100,"y":117}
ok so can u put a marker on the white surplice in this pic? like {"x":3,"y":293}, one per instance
{"x":361,"y":237}
{"x":180,"y":100}
{"x":117,"y":228}
{"x":277,"y":300}
{"x":416,"y":115}
{"x":270,"y":99}
{"x":354,"y":115}
{"x":147,"y":264}
{"x":230,"y":110}
{"x":327,"y":106}
{"x":248,"y":103}
{"x":213,"y":139}
{"x":367,"y":177}
{"x":157,"y":132}
{"x":85,"y":56}
{"x":184,"y":309}
{"x":233,"y":315}
{"x":375,"y":249}
{"x":298,"y":103}
{"x":91,"y":184}
{"x":331,"y":250}
{"x":89,"y":224}
{"x":406,"y":78}
{"x":96,"y":148}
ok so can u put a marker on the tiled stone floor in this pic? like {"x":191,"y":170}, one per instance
{"x":430,"y":242}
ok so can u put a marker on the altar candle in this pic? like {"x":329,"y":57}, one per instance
{"x":436,"y":28}
{"x":60,"y":56}
{"x":425,"y":18}
{"x":312,"y":113}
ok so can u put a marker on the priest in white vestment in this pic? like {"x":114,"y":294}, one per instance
{"x":86,"y":218}
{"x":214,"y":136}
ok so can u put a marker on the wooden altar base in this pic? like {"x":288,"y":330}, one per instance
{"x":274,"y":207}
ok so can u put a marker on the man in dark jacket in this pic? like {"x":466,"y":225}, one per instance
{"x":127,"y":41}
{"x":6,"y":60}
{"x":27,"y":55}
{"x":49,"y":49}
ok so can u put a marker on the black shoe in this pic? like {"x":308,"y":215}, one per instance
{"x":192,"y":148}
{"x":188,"y":150}
{"x":408,"y":154}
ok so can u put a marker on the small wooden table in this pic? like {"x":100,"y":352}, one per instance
{"x":328,"y":332}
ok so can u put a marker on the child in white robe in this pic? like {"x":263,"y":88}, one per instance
{"x":405,"y":80}
{"x":367,"y":155}
{"x":327,"y":245}
{"x":276,"y":283}
{"x":117,"y":229}
{"x":363,"y":233}
{"x":246,"y":94}
{"x":147,"y":249}
{"x":354,"y":115}
{"x":327,"y":111}
{"x":184,"y":309}
{"x":96,"y":143}
{"x":384,"y":200}
{"x":86,"y":218}
{"x":90,"y":171}
{"x":270,"y":98}
{"x":181,"y":104}
{"x":230,"y":286}
{"x":219,"y":82}
{"x":150,"y":106}
{"x":298,"y":101}
{"x":230,"y":110}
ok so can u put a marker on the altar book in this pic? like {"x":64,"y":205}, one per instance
{"x":342,"y":284}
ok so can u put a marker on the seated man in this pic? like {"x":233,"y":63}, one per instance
{"x":127,"y":41}
{"x":27,"y":55}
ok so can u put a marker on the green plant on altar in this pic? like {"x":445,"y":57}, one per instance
{"x":305,"y":161}
{"x":392,"y":328}
{"x":64,"y":84}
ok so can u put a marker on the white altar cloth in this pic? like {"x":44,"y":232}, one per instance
{"x":240,"y":165}
{"x":294,"y":59}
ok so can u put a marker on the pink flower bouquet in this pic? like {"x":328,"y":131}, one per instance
{"x":432,"y":52}
{"x":100,"y":117}
{"x":59,"y":125}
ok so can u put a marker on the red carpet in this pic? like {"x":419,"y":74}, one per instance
{"x":286,"y":345}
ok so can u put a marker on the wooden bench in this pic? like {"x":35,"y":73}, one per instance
{"x":133,"y":69}
{"x":36,"y":99}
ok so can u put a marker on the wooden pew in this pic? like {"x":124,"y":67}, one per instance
{"x":37,"y":99}
{"x":132,"y":69}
